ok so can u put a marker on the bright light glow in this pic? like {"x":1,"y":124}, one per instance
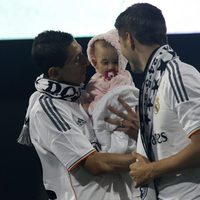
{"x":23,"y":19}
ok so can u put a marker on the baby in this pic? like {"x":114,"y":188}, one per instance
{"x":110,"y":81}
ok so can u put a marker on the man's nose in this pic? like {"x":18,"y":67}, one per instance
{"x":86,"y":61}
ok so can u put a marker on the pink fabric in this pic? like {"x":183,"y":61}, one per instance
{"x":98,"y":86}
{"x":111,"y":37}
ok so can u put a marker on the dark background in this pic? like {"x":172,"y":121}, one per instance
{"x":20,"y":167}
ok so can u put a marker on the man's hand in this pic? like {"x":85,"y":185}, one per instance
{"x":141,"y":170}
{"x":129,"y":122}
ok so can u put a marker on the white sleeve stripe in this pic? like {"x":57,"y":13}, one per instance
{"x":177,"y":83}
{"x":52,"y":113}
{"x":80,"y":159}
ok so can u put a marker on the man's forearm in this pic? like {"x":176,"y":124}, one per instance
{"x":142,"y":171}
{"x":187,"y":158}
{"x":99,"y":163}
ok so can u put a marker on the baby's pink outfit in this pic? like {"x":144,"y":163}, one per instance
{"x":104,"y":91}
{"x":98,"y":86}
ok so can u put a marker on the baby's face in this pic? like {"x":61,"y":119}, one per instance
{"x":106,"y":60}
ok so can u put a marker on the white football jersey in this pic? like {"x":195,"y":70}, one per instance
{"x":175,"y":117}
{"x":63,"y":136}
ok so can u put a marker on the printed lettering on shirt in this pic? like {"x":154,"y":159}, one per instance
{"x":158,"y":138}
{"x":80,"y":122}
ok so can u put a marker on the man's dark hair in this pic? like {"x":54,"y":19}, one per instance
{"x":49,"y":49}
{"x":145,"y":22}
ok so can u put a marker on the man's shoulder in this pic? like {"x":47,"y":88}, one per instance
{"x":177,"y":66}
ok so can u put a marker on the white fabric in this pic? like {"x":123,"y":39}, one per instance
{"x":97,"y":86}
{"x":175,"y":116}
{"x":147,"y":192}
{"x":62,"y":134}
{"x":52,"y":144}
{"x":57,"y":90}
{"x":110,"y":140}
{"x":154,"y":71}
{"x":24,"y":137}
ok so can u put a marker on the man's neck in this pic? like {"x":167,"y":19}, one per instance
{"x":144,"y":54}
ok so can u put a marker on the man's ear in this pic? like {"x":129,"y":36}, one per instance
{"x":131,"y":40}
{"x":54,"y":73}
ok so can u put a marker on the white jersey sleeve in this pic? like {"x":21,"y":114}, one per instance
{"x":71,"y":148}
{"x":182,"y":87}
{"x":54,"y":125}
{"x":175,"y":117}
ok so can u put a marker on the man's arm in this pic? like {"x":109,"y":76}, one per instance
{"x":142,"y":171}
{"x":98,"y":163}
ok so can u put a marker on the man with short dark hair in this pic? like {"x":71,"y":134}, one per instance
{"x":61,"y":131}
{"x":169,"y":108}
